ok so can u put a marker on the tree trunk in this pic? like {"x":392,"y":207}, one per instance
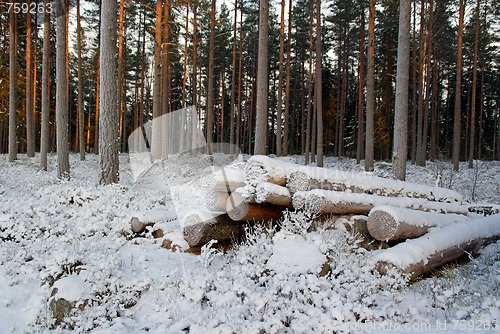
{"x":239,"y":210}
{"x":45,"y":128}
{"x":458,"y":93}
{"x":309,"y":85}
{"x":166,"y":85}
{"x":400,"y":149}
{"x":156,"y":137}
{"x":232,"y":110}
{"x":121,"y":83}
{"x":210,"y":88}
{"x":62,"y":121}
{"x":12,"y":85}
{"x":81,"y":121}
{"x":262,"y":82}
{"x":30,"y":117}
{"x":370,"y":91}
{"x":319,"y":87}
{"x":279,"y":140}
{"x":109,"y":139}
{"x":361,"y":90}
{"x":474,"y":89}
{"x":286,"y":124}
{"x":421,"y":88}
{"x":391,"y":223}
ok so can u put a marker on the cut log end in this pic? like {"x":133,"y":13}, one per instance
{"x":216,"y":201}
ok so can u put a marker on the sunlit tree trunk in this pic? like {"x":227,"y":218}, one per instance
{"x":262,"y":82}
{"x":210,"y":88}
{"x":310,"y":109}
{"x":12,"y":85}
{"x":279,"y":140}
{"x":62,"y":121}
{"x":156,"y":137}
{"x":45,"y":128}
{"x":286,"y":126}
{"x":121,"y":83}
{"x":30,"y":117}
{"x":109,"y":140}
{"x":81,"y":121}
{"x":400,"y":148}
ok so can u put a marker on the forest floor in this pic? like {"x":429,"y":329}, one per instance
{"x":75,"y":235}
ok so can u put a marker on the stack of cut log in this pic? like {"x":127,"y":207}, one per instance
{"x":394,"y":211}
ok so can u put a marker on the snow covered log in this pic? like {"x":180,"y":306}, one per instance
{"x":198,"y":230}
{"x":485,"y":210}
{"x":309,"y":178}
{"x":216,"y":200}
{"x":228,"y":179}
{"x":239,"y":210}
{"x":141,"y":220}
{"x":261,"y":169}
{"x":342,"y":203}
{"x":419,"y":256}
{"x":392,"y":223}
{"x":273,"y":194}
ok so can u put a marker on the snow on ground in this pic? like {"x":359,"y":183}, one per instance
{"x":75,"y":236}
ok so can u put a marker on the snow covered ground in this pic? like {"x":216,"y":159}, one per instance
{"x":75,"y":236}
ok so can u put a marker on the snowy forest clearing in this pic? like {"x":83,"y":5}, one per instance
{"x":63,"y":233}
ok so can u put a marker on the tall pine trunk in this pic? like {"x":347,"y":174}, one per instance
{"x":12,"y":85}
{"x":400,"y":148}
{"x":361,"y":90}
{"x":109,"y":140}
{"x":81,"y":122}
{"x":62,"y":118}
{"x":370,"y":91}
{"x":45,"y":128}
{"x":319,"y":85}
{"x":156,"y":137}
{"x":210,"y":88}
{"x":262,"y":82}
{"x":30,"y":116}
{"x":474,"y":89}
{"x":458,"y":93}
{"x":279,"y":140}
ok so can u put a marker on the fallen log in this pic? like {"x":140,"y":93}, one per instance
{"x":392,"y":223}
{"x":239,"y":210}
{"x":261,"y":169}
{"x":141,"y":220}
{"x":341,"y":203}
{"x":416,"y":257}
{"x":199,"y":230}
{"x":485,"y":210}
{"x":216,"y":200}
{"x":228,"y":179}
{"x":309,"y":178}
{"x":273,"y":194}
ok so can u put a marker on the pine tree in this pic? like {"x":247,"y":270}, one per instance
{"x":109,"y":114}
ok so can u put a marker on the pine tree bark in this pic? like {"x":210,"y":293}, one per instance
{"x":474,"y":89}
{"x":81,"y":121}
{"x":210,"y":88}
{"x":62,"y":119}
{"x":232,"y":110}
{"x":458,"y":93}
{"x":421,"y":88}
{"x":121,"y":83}
{"x":262,"y":82}
{"x":400,"y":148}
{"x":109,"y":140}
{"x":361,"y":89}
{"x":370,"y":91}
{"x":286,"y":126}
{"x":310,"y":86}
{"x":279,"y":140}
{"x":12,"y":85}
{"x":45,"y":128}
{"x":30,"y":117}
{"x":319,"y":87}
{"x":156,"y":137}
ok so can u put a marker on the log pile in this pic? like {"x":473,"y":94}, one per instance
{"x":413,"y":216}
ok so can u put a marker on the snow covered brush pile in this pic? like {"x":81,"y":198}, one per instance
{"x":390,"y":211}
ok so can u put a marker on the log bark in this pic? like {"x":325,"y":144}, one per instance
{"x":336,"y":180}
{"x":391,"y":223}
{"x":342,"y":203}
{"x":216,"y":200}
{"x":273,"y":194}
{"x":199,"y":230}
{"x":419,"y":256}
{"x":239,"y":210}
{"x":142,"y":220}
